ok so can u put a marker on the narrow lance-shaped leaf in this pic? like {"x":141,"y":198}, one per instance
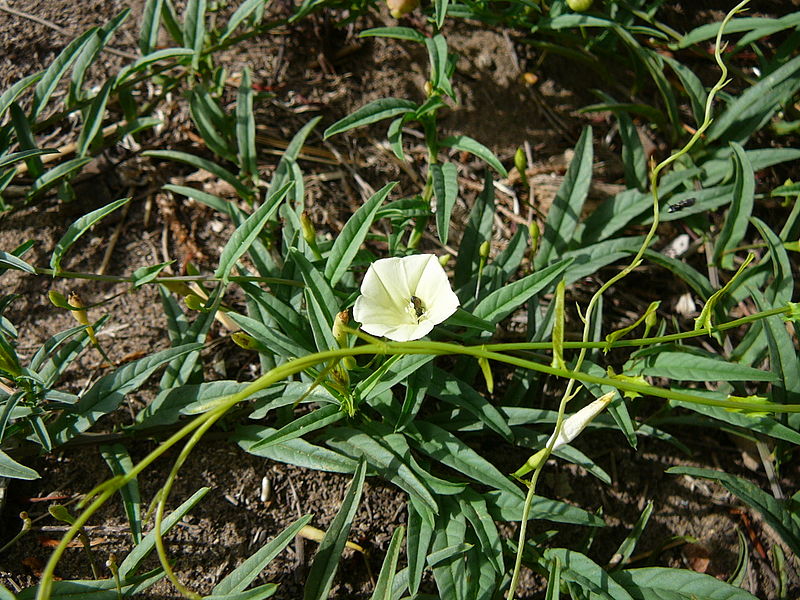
{"x":500,"y":303}
{"x":49,"y":81}
{"x":562,"y":218}
{"x":119,"y":461}
{"x":251,"y":568}
{"x":383,"y":587}
{"x":467,"y":144}
{"x":56,"y":175}
{"x":246,"y":126}
{"x":78,"y":228}
{"x":247,"y":232}
{"x":741,"y":207}
{"x":143,"y":549}
{"x":445,"y":188}
{"x":94,"y":119}
{"x":194,"y":28}
{"x":326,"y":560}
{"x":151,"y":21}
{"x":246,"y":8}
{"x":385,"y":108}
{"x":346,"y":245}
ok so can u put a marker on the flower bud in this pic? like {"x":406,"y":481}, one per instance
{"x":579,"y":5}
{"x":444,"y":259}
{"x":309,"y":233}
{"x":243,"y":340}
{"x":58,"y":299}
{"x":533,"y":230}
{"x":428,"y":89}
{"x":339,"y":328}
{"x":400,"y":8}
{"x":194,"y":302}
{"x":572,"y":427}
{"x":521,"y":164}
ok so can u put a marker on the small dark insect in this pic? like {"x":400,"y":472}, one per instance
{"x":419,"y":308}
{"x":678,"y":206}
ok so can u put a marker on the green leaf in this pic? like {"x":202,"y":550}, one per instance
{"x":579,"y":569}
{"x":144,"y":275}
{"x":107,"y":393}
{"x":145,"y":61}
{"x":194,"y":28}
{"x":690,"y":366}
{"x":136,"y":556}
{"x":634,"y":160}
{"x":504,"y":506}
{"x":12,"y":93}
{"x":9,"y":261}
{"x":443,"y":446}
{"x":246,"y":573}
{"x":736,"y":221}
{"x":56,"y":175}
{"x":440,"y":11}
{"x":257,"y":593}
{"x":628,"y":545}
{"x":78,"y":228}
{"x":448,"y":388}
{"x":98,"y":589}
{"x":120,"y":463}
{"x":660,"y":583}
{"x":783,"y":360}
{"x":562,"y":218}
{"x":14,"y":470}
{"x":202,"y":163}
{"x":89,"y":54}
{"x":49,"y":80}
{"x":692,"y":85}
{"x":296,"y":451}
{"x":151,"y":21}
{"x":781,"y":516}
{"x":244,"y":10}
{"x":478,"y":230}
{"x":445,"y":188}
{"x":375,"y":111}
{"x":326,"y":560}
{"x":467,"y":144}
{"x":553,"y":580}
{"x":247,"y":232}
{"x":94,"y":119}
{"x":320,"y":299}
{"x":317,"y":419}
{"x":10,"y":159}
{"x":437,"y":54}
{"x":246,"y":126}
{"x":399,"y":33}
{"x":382,"y":457}
{"x":347,"y":243}
{"x":383,"y":587}
{"x":420,"y":533}
{"x":475,"y":510}
{"x":751,"y":110}
{"x":500,"y":303}
{"x":25,"y":139}
{"x":211,"y":121}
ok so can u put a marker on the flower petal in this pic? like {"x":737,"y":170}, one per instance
{"x":433,"y":288}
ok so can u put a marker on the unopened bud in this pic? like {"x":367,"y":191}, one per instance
{"x":307,"y":227}
{"x":243,"y":340}
{"x":579,"y":5}
{"x":58,"y":299}
{"x":194,"y":302}
{"x":521,"y":164}
{"x":428,"y":89}
{"x":533,"y":230}
{"x":399,"y":8}
{"x":444,"y":259}
{"x":484,"y":250}
{"x":340,"y":328}
{"x":61,"y":513}
{"x":80,"y":315}
{"x":572,"y":427}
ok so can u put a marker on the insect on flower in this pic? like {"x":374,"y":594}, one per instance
{"x":404,"y":298}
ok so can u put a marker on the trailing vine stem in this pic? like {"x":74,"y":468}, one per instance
{"x":570,"y":390}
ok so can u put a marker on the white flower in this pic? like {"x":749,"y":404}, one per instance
{"x":578,"y":422}
{"x":403,"y":298}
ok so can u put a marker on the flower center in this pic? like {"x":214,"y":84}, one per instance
{"x":416,"y":308}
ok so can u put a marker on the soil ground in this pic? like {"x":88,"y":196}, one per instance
{"x":314,"y":69}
